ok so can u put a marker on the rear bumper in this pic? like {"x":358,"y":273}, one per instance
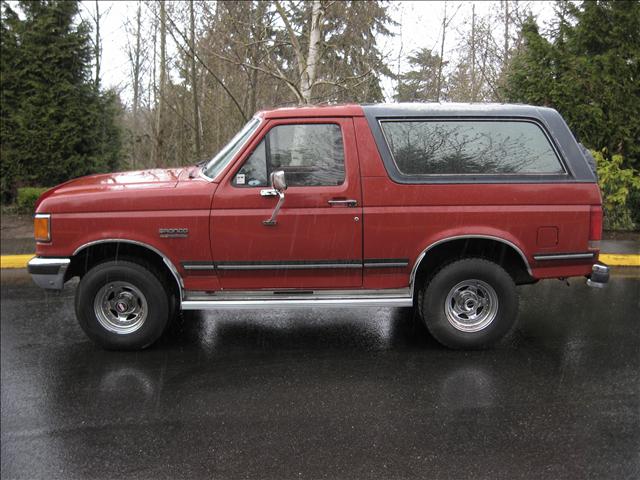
{"x":599,"y":276}
{"x":48,"y":272}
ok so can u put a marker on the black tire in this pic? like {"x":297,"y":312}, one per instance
{"x":476,"y":284}
{"x":142,"y":285}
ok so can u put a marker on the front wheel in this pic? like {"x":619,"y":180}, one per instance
{"x":470,"y":303}
{"x":122,"y":305}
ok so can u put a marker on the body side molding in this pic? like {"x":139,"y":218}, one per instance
{"x":298,"y":264}
{"x":563,"y":256}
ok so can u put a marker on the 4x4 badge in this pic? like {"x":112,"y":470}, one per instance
{"x":173,"y":232}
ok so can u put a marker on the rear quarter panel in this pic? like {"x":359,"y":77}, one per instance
{"x":400,"y":221}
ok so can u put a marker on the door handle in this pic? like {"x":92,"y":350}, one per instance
{"x":343,"y":203}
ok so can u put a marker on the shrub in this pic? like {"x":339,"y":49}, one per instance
{"x":620,"y":190}
{"x":27,"y":198}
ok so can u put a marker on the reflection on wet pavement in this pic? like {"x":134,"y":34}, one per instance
{"x":325,"y":393}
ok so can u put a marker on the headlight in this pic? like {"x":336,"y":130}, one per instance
{"x":42,"y":227}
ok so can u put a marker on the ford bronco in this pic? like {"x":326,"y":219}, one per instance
{"x":441,"y":207}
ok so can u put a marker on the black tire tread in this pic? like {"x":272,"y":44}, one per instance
{"x":133,"y":263}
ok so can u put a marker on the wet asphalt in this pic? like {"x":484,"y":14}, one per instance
{"x":326,"y":393}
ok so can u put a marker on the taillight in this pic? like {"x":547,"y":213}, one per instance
{"x":595,"y":229}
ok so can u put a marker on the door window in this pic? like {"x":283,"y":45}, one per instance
{"x":310,"y":154}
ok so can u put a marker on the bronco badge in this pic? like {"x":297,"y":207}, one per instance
{"x":173,"y":232}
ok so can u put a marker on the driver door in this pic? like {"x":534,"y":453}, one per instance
{"x":316,"y":239}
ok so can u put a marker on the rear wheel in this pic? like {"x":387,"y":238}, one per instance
{"x":123,"y":305}
{"x":470,"y":303}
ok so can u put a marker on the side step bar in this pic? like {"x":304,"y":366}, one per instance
{"x":291,"y":299}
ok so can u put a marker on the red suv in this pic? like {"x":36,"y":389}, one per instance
{"x":443,"y":207}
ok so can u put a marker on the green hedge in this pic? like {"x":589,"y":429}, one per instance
{"x":620,"y":189}
{"x":27,"y":198}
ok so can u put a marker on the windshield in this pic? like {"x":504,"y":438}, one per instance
{"x":224,"y":156}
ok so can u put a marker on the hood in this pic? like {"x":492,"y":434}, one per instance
{"x":122,"y":191}
{"x":139,"y":179}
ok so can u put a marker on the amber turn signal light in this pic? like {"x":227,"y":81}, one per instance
{"x":42,"y":227}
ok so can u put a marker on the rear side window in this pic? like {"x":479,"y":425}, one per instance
{"x":310,"y":155}
{"x":452,"y":147}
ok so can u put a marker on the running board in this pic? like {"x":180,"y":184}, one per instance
{"x":292,"y":299}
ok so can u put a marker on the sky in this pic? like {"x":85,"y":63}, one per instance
{"x":420,"y":26}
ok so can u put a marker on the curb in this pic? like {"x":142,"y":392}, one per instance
{"x":611,"y":259}
{"x":15,"y":261}
{"x":620,"y":260}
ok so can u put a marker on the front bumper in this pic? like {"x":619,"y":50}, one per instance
{"x":48,"y":272}
{"x":599,"y":276}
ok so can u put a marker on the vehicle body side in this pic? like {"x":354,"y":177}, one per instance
{"x":399,"y":225}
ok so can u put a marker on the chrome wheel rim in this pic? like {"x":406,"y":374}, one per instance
{"x":471,"y":305}
{"x":120,"y":307}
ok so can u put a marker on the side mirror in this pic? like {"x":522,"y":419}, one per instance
{"x":278,"y":181}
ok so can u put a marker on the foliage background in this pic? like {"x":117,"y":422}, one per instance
{"x":199,"y":70}
{"x":56,"y":123}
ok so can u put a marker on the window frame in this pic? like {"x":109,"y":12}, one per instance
{"x":267,"y":145}
{"x":398,"y":176}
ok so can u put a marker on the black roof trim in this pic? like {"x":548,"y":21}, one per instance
{"x":548,"y":118}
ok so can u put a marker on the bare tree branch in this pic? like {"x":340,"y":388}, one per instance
{"x":204,"y":65}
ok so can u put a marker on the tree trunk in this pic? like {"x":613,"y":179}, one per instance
{"x":506,"y":33}
{"x":308,"y":76}
{"x":440,"y":65}
{"x":473,"y":52}
{"x":152,"y":95}
{"x":97,"y":47}
{"x":136,"y":88}
{"x":194,"y":85}
{"x":159,"y":153}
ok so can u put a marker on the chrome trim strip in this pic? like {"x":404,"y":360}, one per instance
{"x":165,"y":259}
{"x":290,"y":294}
{"x":261,"y":299}
{"x":49,"y":262}
{"x":563,"y":256}
{"x":296,"y":303}
{"x":414,"y":270}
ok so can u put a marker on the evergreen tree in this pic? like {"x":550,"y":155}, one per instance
{"x":352,"y":58}
{"x":589,"y":70}
{"x":421,"y":82}
{"x":55,"y":123}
